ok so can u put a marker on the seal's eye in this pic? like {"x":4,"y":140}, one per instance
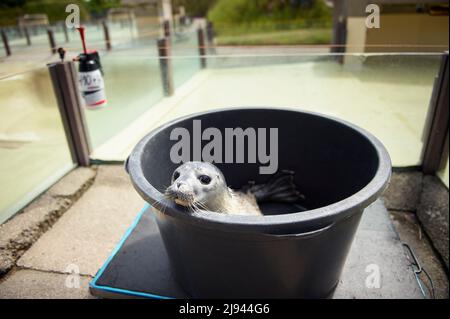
{"x":204,"y":179}
{"x":175,"y":175}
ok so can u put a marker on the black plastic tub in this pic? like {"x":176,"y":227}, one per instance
{"x":285,"y":254}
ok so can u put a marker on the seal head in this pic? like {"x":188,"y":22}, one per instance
{"x":199,"y":185}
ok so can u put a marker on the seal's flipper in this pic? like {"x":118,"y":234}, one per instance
{"x":279,"y":188}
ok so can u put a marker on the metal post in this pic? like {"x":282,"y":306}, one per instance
{"x":5,"y":43}
{"x":201,"y":47}
{"x":165,"y":65}
{"x":20,"y":31}
{"x":210,"y":37}
{"x":437,"y":125}
{"x":210,"y":33}
{"x":51,"y":39}
{"x":66,"y":33}
{"x":65,"y":86}
{"x":166,"y":28}
{"x":107,"y":37}
{"x":339,"y":29}
{"x":27,"y":35}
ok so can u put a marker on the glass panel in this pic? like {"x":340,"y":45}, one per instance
{"x":133,"y":85}
{"x":185,"y":56}
{"x":95,"y":37}
{"x":33,"y":147}
{"x":122,"y":33}
{"x":387,"y":94}
{"x":14,"y":39}
{"x":39,"y":38}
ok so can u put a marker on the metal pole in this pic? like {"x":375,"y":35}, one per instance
{"x":65,"y":86}
{"x":339,"y":29}
{"x":210,"y":33}
{"x":210,"y":37}
{"x":27,"y":35}
{"x":165,"y":65}
{"x":201,"y":47}
{"x":51,"y":39}
{"x":107,"y":37}
{"x":166,"y":28}
{"x":437,"y":125}
{"x":5,"y":43}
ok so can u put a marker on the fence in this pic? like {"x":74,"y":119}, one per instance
{"x":380,"y":92}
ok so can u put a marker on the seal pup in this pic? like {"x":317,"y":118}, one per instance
{"x":202,"y":186}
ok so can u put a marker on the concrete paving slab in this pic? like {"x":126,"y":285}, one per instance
{"x":73,"y":183}
{"x":90,"y":229}
{"x":31,"y":284}
{"x":433,"y":213}
{"x":377,"y":266}
{"x":404,"y":191}
{"x":410,"y":231}
{"x":29,"y":218}
{"x":21,"y":231}
{"x":375,"y":218}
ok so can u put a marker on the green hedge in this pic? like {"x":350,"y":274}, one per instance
{"x":55,"y":9}
{"x":237,"y":16}
{"x":196,"y":8}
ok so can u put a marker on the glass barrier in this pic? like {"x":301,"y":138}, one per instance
{"x":133,"y":85}
{"x":16,"y":41}
{"x":122,"y":33}
{"x":39,"y":38}
{"x":185,"y":60}
{"x":387,"y":94}
{"x":60,"y":34}
{"x":14,"y":38}
{"x":95,"y":37}
{"x":33,"y":149}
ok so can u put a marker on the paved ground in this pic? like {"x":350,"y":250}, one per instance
{"x":408,"y":228}
{"x":82,"y":239}
{"x":377,"y":249}
{"x":28,"y":225}
{"x":86,"y":234}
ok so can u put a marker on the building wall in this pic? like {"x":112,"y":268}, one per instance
{"x":414,"y":31}
{"x":356,"y":34}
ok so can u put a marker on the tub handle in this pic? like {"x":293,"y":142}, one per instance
{"x":302,"y":235}
{"x":125,"y":165}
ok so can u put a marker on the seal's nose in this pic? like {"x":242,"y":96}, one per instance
{"x":182,"y":187}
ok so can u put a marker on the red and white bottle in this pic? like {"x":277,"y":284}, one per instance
{"x":90,"y":76}
{"x":90,"y":79}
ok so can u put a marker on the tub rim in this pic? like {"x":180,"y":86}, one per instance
{"x":305,"y":221}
